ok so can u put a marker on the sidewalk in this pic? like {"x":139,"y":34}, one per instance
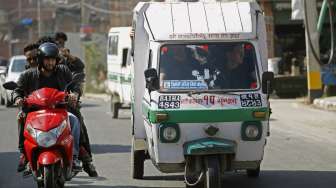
{"x":327,"y":103}
{"x":101,"y":96}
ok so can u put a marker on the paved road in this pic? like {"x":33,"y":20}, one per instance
{"x":301,"y":151}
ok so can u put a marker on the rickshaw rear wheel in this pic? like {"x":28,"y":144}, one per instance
{"x":213,"y":175}
{"x":253,"y":173}
{"x":138,"y":159}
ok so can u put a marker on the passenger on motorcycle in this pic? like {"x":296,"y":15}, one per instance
{"x":76,"y":65}
{"x":48,"y":74}
{"x":30,"y":51}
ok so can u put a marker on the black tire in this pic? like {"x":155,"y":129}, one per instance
{"x":2,"y":99}
{"x":253,"y":173}
{"x":115,"y":110}
{"x":115,"y":106}
{"x":6,"y":101}
{"x":199,"y":185}
{"x":212,"y":172}
{"x":49,"y":177}
{"x":137,"y":162}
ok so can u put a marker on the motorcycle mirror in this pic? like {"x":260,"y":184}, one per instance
{"x":78,"y":77}
{"x":10,"y":85}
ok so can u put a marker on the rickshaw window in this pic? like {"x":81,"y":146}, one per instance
{"x":208,"y":66}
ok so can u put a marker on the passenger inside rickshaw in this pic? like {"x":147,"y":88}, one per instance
{"x":208,"y":66}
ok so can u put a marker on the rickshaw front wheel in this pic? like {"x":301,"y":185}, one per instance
{"x":253,"y":173}
{"x":138,"y":159}
{"x":213,"y":175}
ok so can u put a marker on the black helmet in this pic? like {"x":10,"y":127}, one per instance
{"x":48,"y":50}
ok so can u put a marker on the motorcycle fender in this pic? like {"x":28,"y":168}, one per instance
{"x":49,"y":157}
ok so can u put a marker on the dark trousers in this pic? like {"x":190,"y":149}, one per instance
{"x":21,"y":120}
{"x":84,"y":140}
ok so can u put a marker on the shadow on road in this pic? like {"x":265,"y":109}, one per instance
{"x":107,"y":148}
{"x":280,"y":179}
{"x":268,"y":179}
{"x":88,"y":105}
{"x":117,"y":186}
{"x":166,"y":177}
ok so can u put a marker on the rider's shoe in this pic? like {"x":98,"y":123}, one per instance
{"x":90,"y":169}
{"x":76,"y":165}
{"x":22,"y":163}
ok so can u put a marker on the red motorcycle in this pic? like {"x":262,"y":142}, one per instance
{"x":48,"y":141}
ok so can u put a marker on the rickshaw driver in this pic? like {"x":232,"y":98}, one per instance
{"x":236,"y":71}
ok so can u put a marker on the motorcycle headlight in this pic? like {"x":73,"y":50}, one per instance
{"x":59,"y":130}
{"x":47,"y":139}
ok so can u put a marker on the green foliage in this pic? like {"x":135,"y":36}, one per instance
{"x":95,"y":68}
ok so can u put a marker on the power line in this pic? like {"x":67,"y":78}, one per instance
{"x":116,"y":13}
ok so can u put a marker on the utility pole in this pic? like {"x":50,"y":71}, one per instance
{"x":39,"y":17}
{"x":20,"y":9}
{"x":313,"y":67}
{"x":83,"y":16}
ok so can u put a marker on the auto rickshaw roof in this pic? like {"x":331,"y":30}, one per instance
{"x":201,"y":21}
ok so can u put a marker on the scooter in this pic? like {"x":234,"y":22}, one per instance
{"x":48,"y":141}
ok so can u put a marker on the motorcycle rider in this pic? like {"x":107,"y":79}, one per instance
{"x":48,"y":74}
{"x":76,"y":65}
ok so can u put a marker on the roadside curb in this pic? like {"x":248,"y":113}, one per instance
{"x":101,"y":96}
{"x":328,"y":103}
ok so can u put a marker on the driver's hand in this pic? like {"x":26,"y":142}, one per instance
{"x":19,"y":102}
{"x":73,"y":99}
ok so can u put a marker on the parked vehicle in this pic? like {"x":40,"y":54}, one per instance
{"x":290,"y":79}
{"x":15,"y":67}
{"x":3,"y":64}
{"x":3,"y":71}
{"x":118,"y":68}
{"x":188,"y":114}
{"x":48,"y":140}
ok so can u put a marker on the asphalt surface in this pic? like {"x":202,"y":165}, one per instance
{"x":301,"y":151}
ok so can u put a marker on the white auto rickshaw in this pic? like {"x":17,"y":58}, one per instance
{"x":200,"y":89}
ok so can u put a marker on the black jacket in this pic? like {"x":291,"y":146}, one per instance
{"x":75,"y":66}
{"x":29,"y":81}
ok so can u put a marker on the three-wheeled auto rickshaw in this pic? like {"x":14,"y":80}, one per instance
{"x":200,"y":89}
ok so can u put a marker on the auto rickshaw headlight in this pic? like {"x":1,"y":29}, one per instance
{"x":251,"y":131}
{"x":169,"y":133}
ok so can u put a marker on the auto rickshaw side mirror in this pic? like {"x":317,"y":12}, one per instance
{"x":267,"y":82}
{"x":152,"y":79}
{"x":10,"y":85}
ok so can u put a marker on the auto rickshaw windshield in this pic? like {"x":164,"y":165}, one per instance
{"x":215,"y":66}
